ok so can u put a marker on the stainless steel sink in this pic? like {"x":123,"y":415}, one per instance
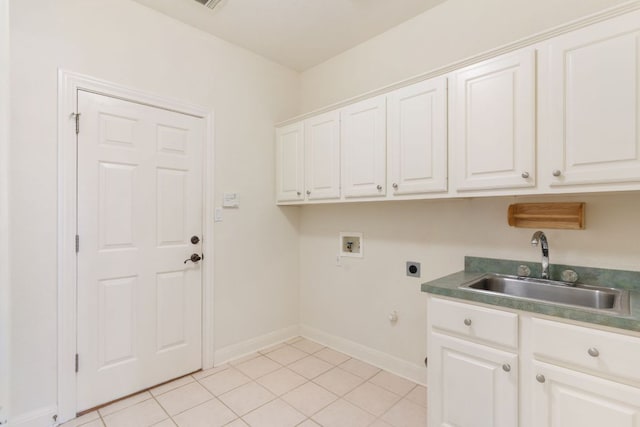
{"x":602,"y":299}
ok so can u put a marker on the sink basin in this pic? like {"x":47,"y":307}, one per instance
{"x":602,"y":299}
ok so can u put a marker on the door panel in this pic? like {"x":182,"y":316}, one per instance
{"x":417,"y":129}
{"x":322,"y":156}
{"x":567,"y":398}
{"x":290,"y":162}
{"x":593,"y":104}
{"x":472,"y":387}
{"x":139,"y":202}
{"x":363,"y":142}
{"x":493,"y":123}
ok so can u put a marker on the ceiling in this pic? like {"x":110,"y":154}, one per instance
{"x":296,"y":33}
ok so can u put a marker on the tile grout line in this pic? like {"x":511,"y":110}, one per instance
{"x":162,"y":407}
{"x":312,"y":380}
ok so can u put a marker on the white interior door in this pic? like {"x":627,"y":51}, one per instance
{"x":139,"y":204}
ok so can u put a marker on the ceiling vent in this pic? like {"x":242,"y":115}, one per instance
{"x":211,"y":4}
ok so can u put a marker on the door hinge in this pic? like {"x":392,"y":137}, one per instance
{"x":77,"y":243}
{"x":77,"y":362}
{"x":77,"y":116}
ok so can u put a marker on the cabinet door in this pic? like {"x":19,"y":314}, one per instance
{"x":493,"y":123}
{"x":565,"y":398}
{"x":471,"y":385}
{"x":290,"y":162}
{"x":417,"y":137}
{"x":591,"y":120}
{"x":322,"y":156}
{"x":363,"y":139}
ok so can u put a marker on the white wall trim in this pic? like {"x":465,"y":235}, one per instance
{"x":401,"y":367}
{"x":38,"y":418}
{"x":5,"y":317}
{"x":68,"y":85}
{"x":252,"y":345}
{"x":510,"y":47}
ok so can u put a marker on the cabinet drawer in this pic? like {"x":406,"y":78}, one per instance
{"x":592,"y":350}
{"x":484,"y":324}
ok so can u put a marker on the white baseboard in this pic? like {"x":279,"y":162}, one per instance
{"x":42,"y":417}
{"x":252,"y":345}
{"x":410,"y":371}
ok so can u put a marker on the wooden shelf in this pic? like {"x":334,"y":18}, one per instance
{"x":547,"y":215}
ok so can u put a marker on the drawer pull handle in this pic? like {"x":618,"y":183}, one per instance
{"x":506,"y":367}
{"x":540,"y":378}
{"x":467,"y":321}
{"x":593,"y":352}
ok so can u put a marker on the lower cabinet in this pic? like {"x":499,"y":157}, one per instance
{"x":553,"y":374}
{"x":567,"y":398}
{"x":474,"y":385}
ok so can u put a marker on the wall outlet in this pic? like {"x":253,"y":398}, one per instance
{"x":413,"y":269}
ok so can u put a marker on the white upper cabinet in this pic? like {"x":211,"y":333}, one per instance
{"x":322,"y":156}
{"x":417,"y":138}
{"x":559,"y":116}
{"x":493,"y":123}
{"x":590,"y":122}
{"x":290,"y":163}
{"x":363,"y":140}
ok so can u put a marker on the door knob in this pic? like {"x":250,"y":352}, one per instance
{"x":193,"y":258}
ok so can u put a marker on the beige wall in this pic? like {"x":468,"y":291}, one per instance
{"x":352,"y":302}
{"x":4,"y":211}
{"x":452,"y":31}
{"x":256,"y":259}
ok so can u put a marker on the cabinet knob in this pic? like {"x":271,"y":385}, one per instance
{"x":525,"y":174}
{"x":395,"y":186}
{"x":298,"y":193}
{"x":506,"y":367}
{"x":593,"y":352}
{"x":540,"y":378}
{"x":557,"y":172}
{"x":308,"y":192}
{"x":379,"y":187}
{"x":467,"y":321}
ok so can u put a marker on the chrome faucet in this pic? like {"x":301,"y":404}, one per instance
{"x":539,"y":237}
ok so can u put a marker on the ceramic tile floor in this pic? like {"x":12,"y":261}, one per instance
{"x":297,"y":383}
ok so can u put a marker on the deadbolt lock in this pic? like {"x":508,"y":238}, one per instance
{"x":195,"y":240}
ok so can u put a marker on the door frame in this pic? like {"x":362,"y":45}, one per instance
{"x":69,"y":83}
{"x":5,"y":317}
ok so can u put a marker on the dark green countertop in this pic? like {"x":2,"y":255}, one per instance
{"x":476,"y":267}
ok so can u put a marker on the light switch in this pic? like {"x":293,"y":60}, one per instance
{"x":231,"y":200}
{"x":217,"y":215}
